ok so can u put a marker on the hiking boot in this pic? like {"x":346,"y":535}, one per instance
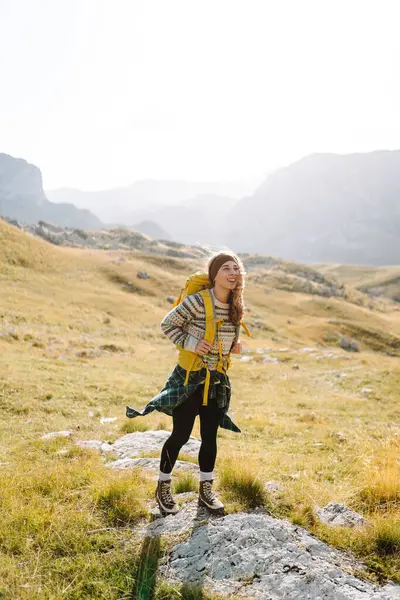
{"x":208,"y":499}
{"x":165,"y":499}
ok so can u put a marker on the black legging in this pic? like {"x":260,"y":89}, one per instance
{"x":183,"y":420}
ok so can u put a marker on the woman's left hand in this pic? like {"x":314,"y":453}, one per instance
{"x":237,"y":348}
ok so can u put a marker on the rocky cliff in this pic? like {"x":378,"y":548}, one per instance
{"x":22,"y":198}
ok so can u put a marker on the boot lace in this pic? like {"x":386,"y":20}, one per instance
{"x":166,"y":494}
{"x":207,"y":491}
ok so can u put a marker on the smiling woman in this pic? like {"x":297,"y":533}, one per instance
{"x":205,"y":327}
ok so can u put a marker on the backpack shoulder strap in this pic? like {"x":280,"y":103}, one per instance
{"x":210,"y":315}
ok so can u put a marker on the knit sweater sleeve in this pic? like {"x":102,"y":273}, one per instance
{"x":175,"y":323}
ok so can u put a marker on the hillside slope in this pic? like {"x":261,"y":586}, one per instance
{"x":80,"y":338}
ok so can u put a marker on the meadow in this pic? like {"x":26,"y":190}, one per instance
{"x":80,"y":339}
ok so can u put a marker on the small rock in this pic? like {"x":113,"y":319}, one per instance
{"x":296,"y":367}
{"x":340,"y":436}
{"x":337,"y":514}
{"x":95,"y":445}
{"x":345,"y":343}
{"x":366,"y":390}
{"x":56,"y":434}
{"x":293,"y":476}
{"x":349,"y":345}
{"x":273,"y":487}
{"x":246,"y":358}
{"x":170,"y":299}
{"x":270,"y":359}
{"x":142,"y":275}
{"x":108,"y":419}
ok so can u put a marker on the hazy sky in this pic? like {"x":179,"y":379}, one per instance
{"x":100,"y":93}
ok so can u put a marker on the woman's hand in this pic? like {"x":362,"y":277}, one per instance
{"x":203,"y":347}
{"x":237,"y":348}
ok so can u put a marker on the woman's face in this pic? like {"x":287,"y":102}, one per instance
{"x":228,"y":275}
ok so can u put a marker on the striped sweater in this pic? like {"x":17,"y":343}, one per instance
{"x":185,"y":325}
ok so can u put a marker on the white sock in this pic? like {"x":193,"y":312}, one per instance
{"x":206,"y":476}
{"x":164,"y":476}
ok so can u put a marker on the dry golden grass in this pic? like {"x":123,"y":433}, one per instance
{"x":77,"y":344}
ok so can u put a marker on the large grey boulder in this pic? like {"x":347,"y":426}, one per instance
{"x":258,"y":556}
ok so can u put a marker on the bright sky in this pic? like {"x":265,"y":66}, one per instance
{"x":101,"y":93}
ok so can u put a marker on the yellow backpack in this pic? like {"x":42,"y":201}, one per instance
{"x":199,"y":282}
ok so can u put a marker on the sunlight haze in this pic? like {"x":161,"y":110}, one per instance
{"x":100,"y":94}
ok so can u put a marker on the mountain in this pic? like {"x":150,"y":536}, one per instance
{"x":22,"y":198}
{"x":139,"y":201}
{"x":200,"y":220}
{"x":220,"y":205}
{"x":325,"y":207}
{"x":152,"y":229}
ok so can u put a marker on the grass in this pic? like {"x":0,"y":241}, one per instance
{"x":133,"y":425}
{"x":243,"y":487}
{"x":185,"y":483}
{"x":185,"y":592}
{"x":67,"y":520}
{"x":64,"y":527}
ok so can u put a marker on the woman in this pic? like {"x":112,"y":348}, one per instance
{"x":186,"y":395}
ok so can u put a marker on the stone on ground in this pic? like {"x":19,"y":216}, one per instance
{"x":56,"y":434}
{"x":131,"y":446}
{"x":152,"y":464}
{"x":338,"y":514}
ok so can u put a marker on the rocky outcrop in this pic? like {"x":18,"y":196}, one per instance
{"x":22,"y":198}
{"x":254,"y":555}
{"x":107,"y":239}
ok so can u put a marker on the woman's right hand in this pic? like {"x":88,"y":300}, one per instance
{"x":203,"y":347}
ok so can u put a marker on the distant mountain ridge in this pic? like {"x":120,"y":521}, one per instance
{"x":22,"y":198}
{"x":325,"y":207}
{"x":140,"y":200}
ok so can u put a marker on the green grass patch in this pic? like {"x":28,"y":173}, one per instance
{"x":133,"y":425}
{"x":186,"y":483}
{"x":242,"y":486}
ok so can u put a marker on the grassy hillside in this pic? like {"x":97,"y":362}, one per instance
{"x":378,"y":281}
{"x":80,"y":339}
